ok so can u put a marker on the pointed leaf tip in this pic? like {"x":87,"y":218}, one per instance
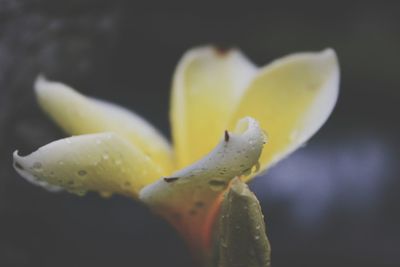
{"x":240,"y":237}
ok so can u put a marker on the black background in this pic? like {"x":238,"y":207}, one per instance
{"x":333,"y":203}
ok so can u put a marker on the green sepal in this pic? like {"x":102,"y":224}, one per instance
{"x":241,"y":240}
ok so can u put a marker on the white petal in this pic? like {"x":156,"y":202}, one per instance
{"x":78,"y":114}
{"x":193,"y":190}
{"x":103,"y":162}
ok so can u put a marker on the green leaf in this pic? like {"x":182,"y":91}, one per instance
{"x":241,"y":238}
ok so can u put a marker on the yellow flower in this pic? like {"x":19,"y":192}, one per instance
{"x":221,"y":104}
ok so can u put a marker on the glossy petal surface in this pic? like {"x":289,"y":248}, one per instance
{"x":207,"y":86}
{"x":187,"y":199}
{"x":78,"y":114}
{"x":291,"y":98}
{"x":103,"y":162}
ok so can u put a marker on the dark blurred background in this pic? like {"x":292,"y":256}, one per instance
{"x":334,"y":202}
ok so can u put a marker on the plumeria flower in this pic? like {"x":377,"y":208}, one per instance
{"x":223,"y":110}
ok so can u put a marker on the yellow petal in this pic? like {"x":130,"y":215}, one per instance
{"x":102,"y":162}
{"x":291,"y":98}
{"x":78,"y":114}
{"x":188,"y":197}
{"x":207,"y":87}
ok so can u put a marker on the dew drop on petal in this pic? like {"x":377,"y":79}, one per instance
{"x":82,"y":172}
{"x":217,"y":185}
{"x":106,"y":194}
{"x":80,"y":192}
{"x":37,"y":166}
{"x":18,"y":166}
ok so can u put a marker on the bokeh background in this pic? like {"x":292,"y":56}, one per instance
{"x":334,"y":202}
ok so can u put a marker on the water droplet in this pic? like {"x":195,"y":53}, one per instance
{"x":18,"y":166}
{"x":79,"y":192}
{"x":246,"y":172}
{"x":257,"y":167}
{"x":171,"y":179}
{"x":256,"y":237}
{"x":258,"y":227}
{"x":217,"y":185}
{"x":82,"y":172}
{"x":106,"y":156}
{"x":37,"y":166}
{"x":106,"y":194}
